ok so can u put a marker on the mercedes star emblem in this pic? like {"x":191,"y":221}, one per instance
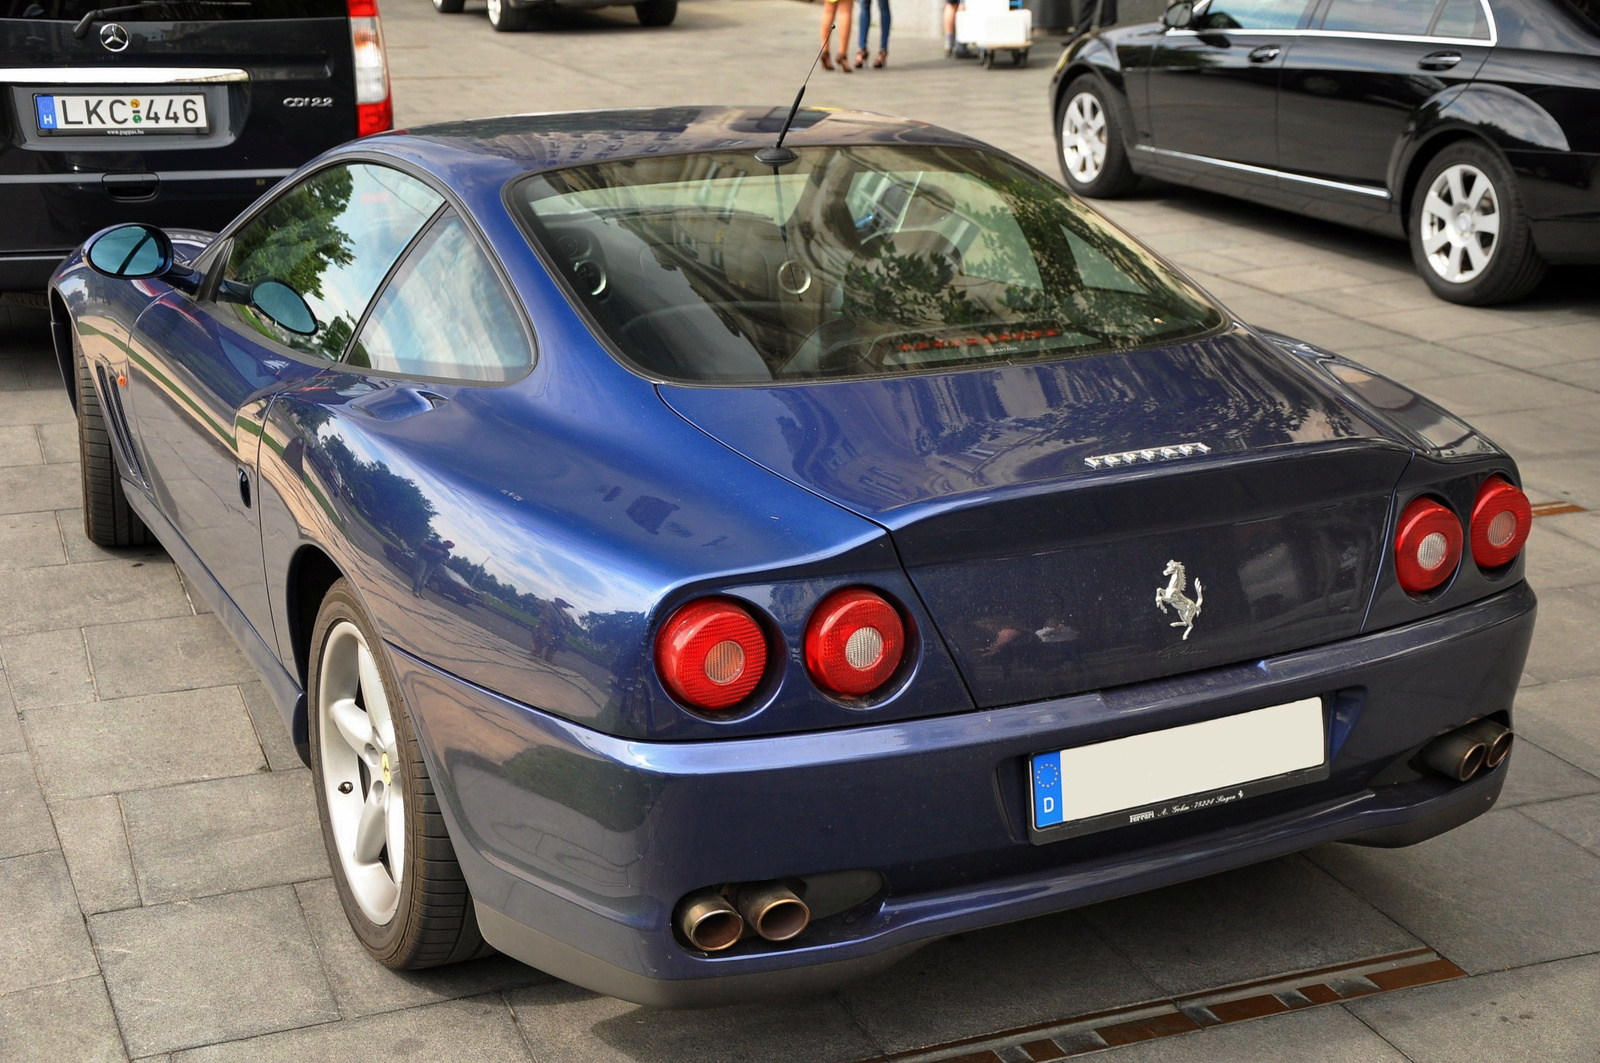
{"x":113,"y":37}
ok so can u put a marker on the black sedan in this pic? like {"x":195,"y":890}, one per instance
{"x":1469,"y":127}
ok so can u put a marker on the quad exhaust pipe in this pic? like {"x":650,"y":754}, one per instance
{"x":1462,"y":753}
{"x":709,"y":921}
{"x":773,"y":909}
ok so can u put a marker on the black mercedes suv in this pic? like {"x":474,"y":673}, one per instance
{"x":177,"y":113}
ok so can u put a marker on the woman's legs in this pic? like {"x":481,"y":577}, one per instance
{"x":883,"y":26}
{"x":845,"y":9}
{"x":864,"y":27}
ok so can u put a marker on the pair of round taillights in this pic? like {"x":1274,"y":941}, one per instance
{"x":712,"y":653}
{"x":1428,"y":544}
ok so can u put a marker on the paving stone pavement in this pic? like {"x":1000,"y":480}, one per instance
{"x":163,"y":887}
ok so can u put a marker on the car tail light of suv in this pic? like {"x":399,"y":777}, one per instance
{"x":854,"y":642}
{"x":374,"y":108}
{"x":1501,"y":520}
{"x":711,"y":654}
{"x":1427,"y":546}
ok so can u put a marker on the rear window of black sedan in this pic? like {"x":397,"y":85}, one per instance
{"x":850,"y":262}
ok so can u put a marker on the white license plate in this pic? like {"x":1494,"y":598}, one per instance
{"x":133,"y":113}
{"x":1181,"y":769}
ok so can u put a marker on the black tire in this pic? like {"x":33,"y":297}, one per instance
{"x":656,"y":12}
{"x":108,"y":520}
{"x":449,"y":7}
{"x":1116,"y":176}
{"x":1514,"y":266}
{"x":507,"y":18}
{"x":434,"y":921}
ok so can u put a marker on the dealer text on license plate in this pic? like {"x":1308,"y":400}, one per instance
{"x":121,"y":114}
{"x":1181,"y":769}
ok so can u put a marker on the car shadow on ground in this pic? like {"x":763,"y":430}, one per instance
{"x":1575,"y":289}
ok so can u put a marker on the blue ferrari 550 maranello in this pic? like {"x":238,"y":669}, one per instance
{"x":705,"y":571}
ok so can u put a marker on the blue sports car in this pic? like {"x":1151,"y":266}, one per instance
{"x":704,"y":568}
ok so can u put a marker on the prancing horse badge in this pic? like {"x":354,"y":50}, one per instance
{"x":1172,"y":594}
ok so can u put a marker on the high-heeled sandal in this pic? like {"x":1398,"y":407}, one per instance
{"x":843,"y":59}
{"x":827,"y":60}
{"x":861,"y":57}
{"x":881,"y":58}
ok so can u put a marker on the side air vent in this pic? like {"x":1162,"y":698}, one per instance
{"x":112,"y":397}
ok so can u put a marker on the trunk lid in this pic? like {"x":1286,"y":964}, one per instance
{"x":1036,"y":508}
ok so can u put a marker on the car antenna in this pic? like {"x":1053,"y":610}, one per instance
{"x":778,"y":155}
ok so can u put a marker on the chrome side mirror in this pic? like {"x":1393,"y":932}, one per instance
{"x":130,"y":252}
{"x":1179,"y":15}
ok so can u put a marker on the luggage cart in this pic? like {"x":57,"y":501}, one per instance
{"x":993,"y":26}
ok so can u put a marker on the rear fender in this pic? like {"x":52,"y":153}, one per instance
{"x":1494,"y":114}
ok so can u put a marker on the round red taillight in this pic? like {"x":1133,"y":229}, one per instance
{"x":854,"y":642}
{"x":711,"y":654}
{"x":1501,"y":520}
{"x":1427,"y":546}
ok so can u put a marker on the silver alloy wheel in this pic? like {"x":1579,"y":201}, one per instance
{"x":494,"y":11}
{"x":361,"y":772}
{"x":1460,"y":223}
{"x":1083,"y":137}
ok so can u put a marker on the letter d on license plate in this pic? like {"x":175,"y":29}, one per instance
{"x":1181,"y":769}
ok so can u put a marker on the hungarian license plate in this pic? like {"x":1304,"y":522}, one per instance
{"x":126,"y":115}
{"x":1181,"y":769}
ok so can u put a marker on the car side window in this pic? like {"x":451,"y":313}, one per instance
{"x":1252,"y":15}
{"x":331,"y":240}
{"x":1463,"y":19}
{"x":445,"y":314}
{"x":1410,"y":18}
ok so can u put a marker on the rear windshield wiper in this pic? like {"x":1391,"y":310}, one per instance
{"x":81,"y":30}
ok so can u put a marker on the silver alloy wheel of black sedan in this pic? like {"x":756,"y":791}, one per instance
{"x":1470,"y":236}
{"x":1089,"y":142}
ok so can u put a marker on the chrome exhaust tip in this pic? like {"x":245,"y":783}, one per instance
{"x":773,"y":909}
{"x":1495,"y":738}
{"x":1457,"y":755}
{"x":708,"y":922}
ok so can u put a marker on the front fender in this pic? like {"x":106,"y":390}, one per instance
{"x":1093,"y":55}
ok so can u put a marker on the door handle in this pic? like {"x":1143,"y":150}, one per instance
{"x":1439,"y":60}
{"x":1266,"y":53}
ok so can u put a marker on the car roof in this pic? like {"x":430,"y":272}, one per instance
{"x":539,"y":142}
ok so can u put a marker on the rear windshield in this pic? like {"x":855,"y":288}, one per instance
{"x":176,"y":11}
{"x":852,"y":262}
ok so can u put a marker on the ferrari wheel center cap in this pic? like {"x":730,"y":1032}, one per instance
{"x":383,"y":766}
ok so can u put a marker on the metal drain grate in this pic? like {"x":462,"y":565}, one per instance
{"x":1095,"y":1032}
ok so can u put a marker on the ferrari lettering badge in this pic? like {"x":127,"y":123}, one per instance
{"x":1172,"y":594}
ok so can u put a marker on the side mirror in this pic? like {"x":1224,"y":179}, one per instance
{"x":130,"y":252}
{"x":285,"y":306}
{"x":1179,"y":15}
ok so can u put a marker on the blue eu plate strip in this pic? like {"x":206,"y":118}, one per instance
{"x":1047,"y":789}
{"x":46,"y":106}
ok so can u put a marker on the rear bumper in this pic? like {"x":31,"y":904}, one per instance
{"x":578,"y":845}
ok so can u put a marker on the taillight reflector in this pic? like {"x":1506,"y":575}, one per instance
{"x":711,"y":654}
{"x":854,"y":642}
{"x":1427,"y":546}
{"x":1501,"y":520}
{"x":374,"y":108}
